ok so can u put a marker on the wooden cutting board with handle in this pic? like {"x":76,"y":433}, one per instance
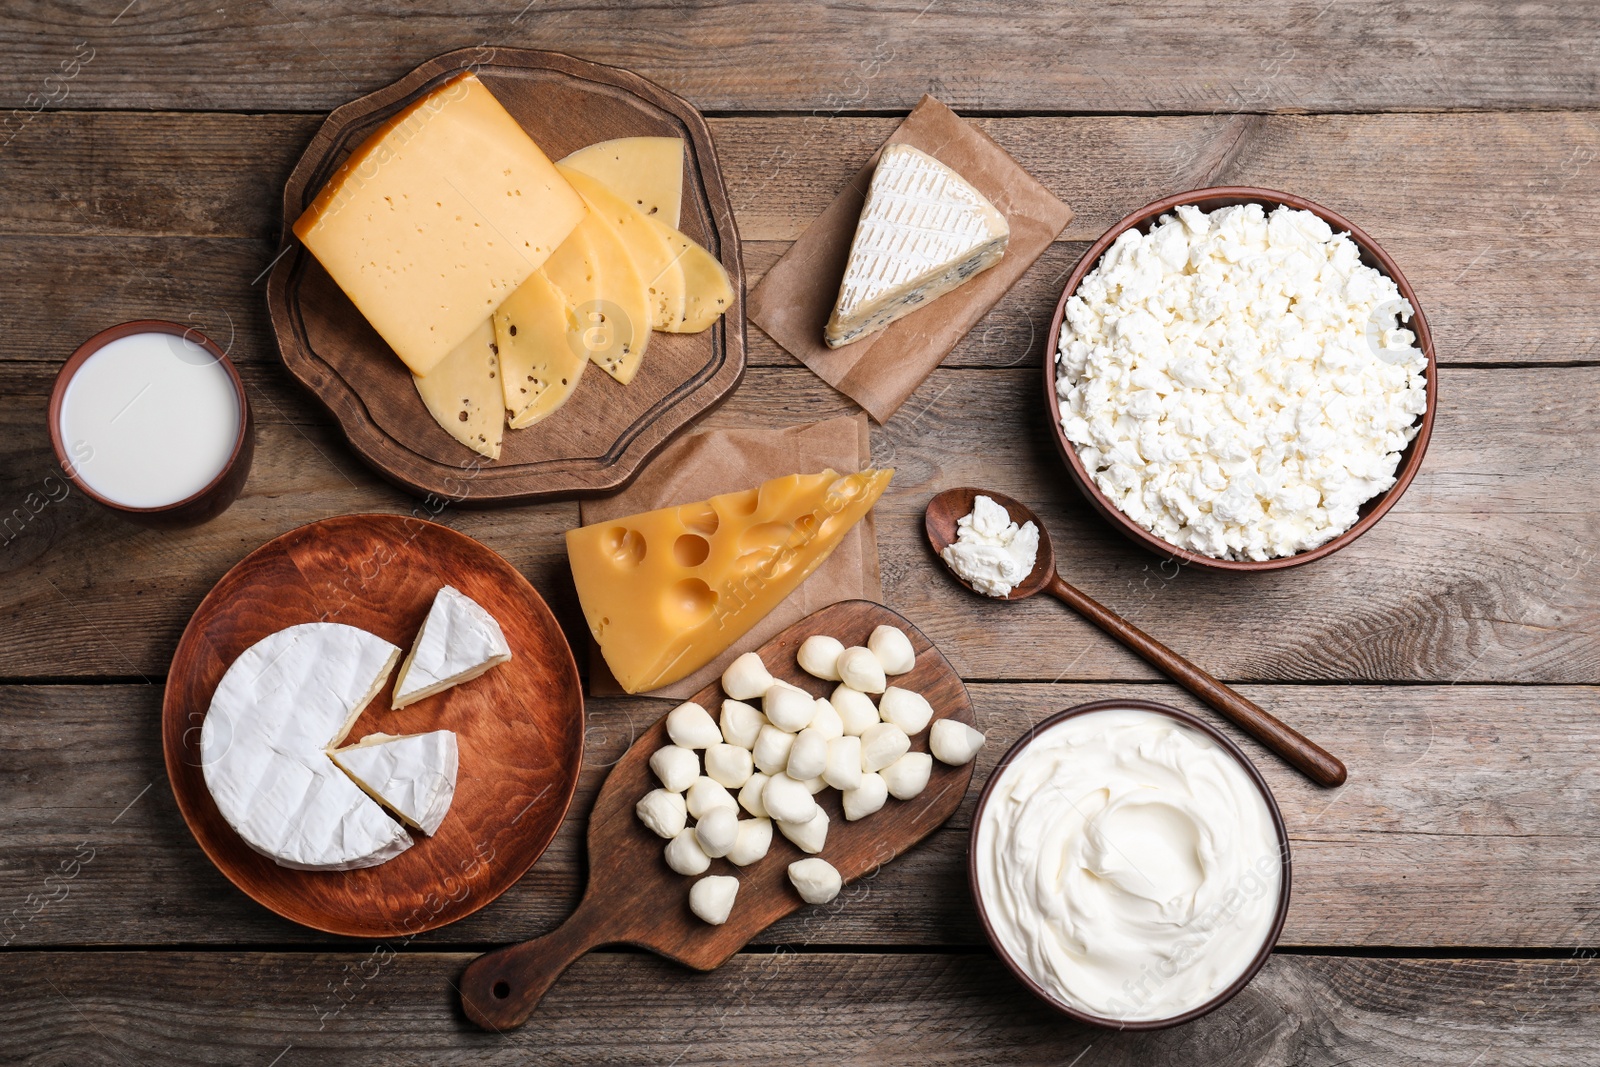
{"x":634,"y":898}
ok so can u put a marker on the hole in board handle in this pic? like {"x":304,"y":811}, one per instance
{"x":501,"y":990}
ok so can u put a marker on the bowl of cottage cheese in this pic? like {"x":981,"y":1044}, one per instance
{"x":1240,"y":379}
{"x":1130,"y":866}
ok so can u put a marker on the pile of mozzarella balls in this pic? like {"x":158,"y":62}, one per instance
{"x":781,"y":755}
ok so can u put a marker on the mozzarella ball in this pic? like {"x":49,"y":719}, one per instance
{"x":741,"y":723}
{"x":729,"y":765}
{"x":755,"y":837}
{"x":816,"y":879}
{"x":907,"y":776}
{"x":676,"y":767}
{"x":856,"y":710}
{"x":860,"y":669}
{"x":808,"y":836}
{"x":787,"y":799}
{"x":711,"y":897}
{"x":746,"y":678}
{"x":815,"y":785}
{"x":866,"y":798}
{"x":750,"y":795}
{"x":808,"y":756}
{"x":893,"y":649}
{"x":843,"y":769}
{"x":716,"y":832}
{"x":706,"y":795}
{"x":690,"y":726}
{"x":772,"y":749}
{"x":881,"y":745}
{"x":826,"y":721}
{"x":789,"y":708}
{"x":819,"y":657}
{"x":685,"y":856}
{"x":663,"y":812}
{"x":907,"y":710}
{"x":954,"y":742}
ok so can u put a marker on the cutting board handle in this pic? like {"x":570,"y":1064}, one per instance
{"x":500,"y":989}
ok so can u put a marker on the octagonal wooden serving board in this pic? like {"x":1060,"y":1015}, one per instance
{"x":606,"y":432}
{"x":634,"y":898}
{"x":519,"y":727}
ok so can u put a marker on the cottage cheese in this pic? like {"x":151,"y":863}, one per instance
{"x":992,"y":553}
{"x":1239,"y":383}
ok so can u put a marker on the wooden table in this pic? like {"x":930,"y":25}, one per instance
{"x":1445,"y":898}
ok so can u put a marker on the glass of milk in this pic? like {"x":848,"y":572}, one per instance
{"x":149,"y":418}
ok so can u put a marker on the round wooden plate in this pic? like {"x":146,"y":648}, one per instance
{"x":602,"y":436}
{"x":519,"y":727}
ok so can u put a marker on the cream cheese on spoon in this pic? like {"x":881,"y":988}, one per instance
{"x":991,"y":553}
{"x":1128,"y":864}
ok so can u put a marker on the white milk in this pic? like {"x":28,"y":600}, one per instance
{"x":149,"y":420}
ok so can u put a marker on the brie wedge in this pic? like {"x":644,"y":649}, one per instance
{"x":413,"y":776}
{"x":282,"y":704}
{"x":923,"y":231}
{"x":458,"y":641}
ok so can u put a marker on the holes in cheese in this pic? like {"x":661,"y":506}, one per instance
{"x":539,"y":366}
{"x":463,"y":394}
{"x":437,"y":218}
{"x":658,"y":617}
{"x":610,"y":305}
{"x":647,"y":172}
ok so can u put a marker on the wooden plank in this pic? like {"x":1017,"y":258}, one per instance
{"x":1180,"y":55}
{"x":1486,"y":213}
{"x":1476,"y":795}
{"x":1484,"y":572}
{"x":400,"y":1008}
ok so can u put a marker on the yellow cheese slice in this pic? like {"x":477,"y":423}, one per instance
{"x":706,"y":289}
{"x":610,"y":307}
{"x":655,"y":259}
{"x":647,"y":172}
{"x":540,"y":363}
{"x":463,"y":394}
{"x":438,"y":217}
{"x":666,"y":591}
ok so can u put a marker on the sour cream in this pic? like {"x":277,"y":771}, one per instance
{"x":1128,"y":864}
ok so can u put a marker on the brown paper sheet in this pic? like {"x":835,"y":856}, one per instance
{"x":880,"y":371}
{"x":724,"y":461}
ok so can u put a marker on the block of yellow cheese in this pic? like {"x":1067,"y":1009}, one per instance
{"x":666,"y":591}
{"x":647,"y":172}
{"x":437,"y":218}
{"x":537,"y":345}
{"x":463,"y":392}
{"x":610,"y":307}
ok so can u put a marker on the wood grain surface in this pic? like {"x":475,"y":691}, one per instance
{"x":1444,"y":905}
{"x":519,"y":727}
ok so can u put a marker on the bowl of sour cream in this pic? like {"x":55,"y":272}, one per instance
{"x":1130,"y":865}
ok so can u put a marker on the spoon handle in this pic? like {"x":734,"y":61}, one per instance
{"x":1311,"y":759}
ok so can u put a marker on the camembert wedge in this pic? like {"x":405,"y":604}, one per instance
{"x":437,"y":218}
{"x":664,"y":592}
{"x":413,"y":775}
{"x":647,"y":172}
{"x":924,"y":230}
{"x":458,"y":641}
{"x":535,"y":337}
{"x":463,"y":393}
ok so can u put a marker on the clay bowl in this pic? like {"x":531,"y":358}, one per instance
{"x":1371,"y":254}
{"x":1257,"y":961}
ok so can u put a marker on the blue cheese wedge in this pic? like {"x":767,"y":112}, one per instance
{"x":458,"y":642}
{"x":413,"y":775}
{"x":280,"y":706}
{"x":924,"y":230}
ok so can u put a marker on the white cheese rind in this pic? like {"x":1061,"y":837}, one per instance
{"x":458,"y":641}
{"x":413,"y":775}
{"x":924,"y":230}
{"x":263,"y":748}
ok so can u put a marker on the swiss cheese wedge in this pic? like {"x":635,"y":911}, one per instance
{"x":666,"y":591}
{"x":540,"y":363}
{"x":656,"y":260}
{"x":437,"y":217}
{"x":647,"y":172}
{"x":463,"y":393}
{"x":610,"y":306}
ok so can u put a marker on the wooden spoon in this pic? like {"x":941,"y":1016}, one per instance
{"x":1303,"y":754}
